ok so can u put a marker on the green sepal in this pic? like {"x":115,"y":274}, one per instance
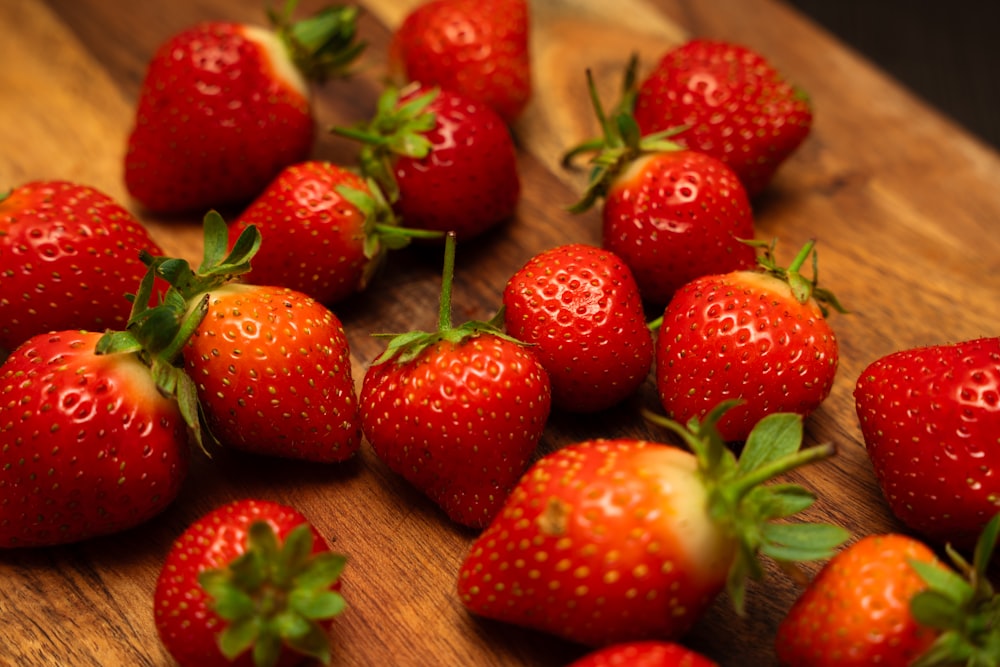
{"x":802,"y":288}
{"x":323,"y":45}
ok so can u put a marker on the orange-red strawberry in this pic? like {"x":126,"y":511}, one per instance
{"x":609,"y":541}
{"x":478,"y":49}
{"x":68,"y":256}
{"x":580,"y":309}
{"x":729,"y":102}
{"x":251,"y":583}
{"x":458,"y":412}
{"x":225,"y":106}
{"x":649,"y":653}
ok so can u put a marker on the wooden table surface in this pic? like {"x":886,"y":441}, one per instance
{"x":904,"y":205}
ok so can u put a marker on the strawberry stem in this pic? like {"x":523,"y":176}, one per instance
{"x":447,"y":278}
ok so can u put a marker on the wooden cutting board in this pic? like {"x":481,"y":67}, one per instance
{"x":904,"y":205}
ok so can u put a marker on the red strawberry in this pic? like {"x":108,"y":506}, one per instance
{"x":887,"y":600}
{"x":225,"y":106}
{"x":69,"y":254}
{"x":731,"y":103}
{"x":930,"y":418}
{"x":272,"y":366}
{"x":671,"y":214}
{"x":610,"y":541}
{"x":580,"y":308}
{"x":250,"y":583}
{"x":759,"y":336}
{"x":644,"y":654}
{"x":458,"y":412}
{"x":478,"y":49}
{"x":446,"y":162}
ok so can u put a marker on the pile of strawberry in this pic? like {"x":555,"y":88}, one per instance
{"x":121,"y":361}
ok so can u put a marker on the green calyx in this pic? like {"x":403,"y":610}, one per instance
{"x":276,"y":595}
{"x":748,"y":509}
{"x":802,"y":288}
{"x":323,"y":45}
{"x":962,"y":605}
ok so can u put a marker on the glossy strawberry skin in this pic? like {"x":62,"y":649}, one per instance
{"x":735,"y":105}
{"x":313,"y":238}
{"x":460,"y":422}
{"x":930,"y":417}
{"x":88,"y":445}
{"x":70,"y":254}
{"x":644,"y":654}
{"x":477,"y":49}
{"x":221,"y":111}
{"x":676,"y":216}
{"x":856,"y":612}
{"x":742,"y":335}
{"x":273,"y":372}
{"x":581,"y":309}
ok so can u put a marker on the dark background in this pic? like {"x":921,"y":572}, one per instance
{"x":948,"y":53}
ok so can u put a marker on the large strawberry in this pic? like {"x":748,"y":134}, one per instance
{"x":249,"y":583}
{"x":272,"y":365}
{"x":757,"y":335}
{"x":649,"y":653}
{"x":479,"y":49}
{"x":671,"y":214}
{"x":930,"y":418}
{"x":69,"y":255}
{"x":458,"y":411}
{"x":609,"y":541}
{"x":225,"y":106}
{"x":446,"y":162}
{"x":580,"y":308}
{"x":729,"y":102}
{"x":887,"y":600}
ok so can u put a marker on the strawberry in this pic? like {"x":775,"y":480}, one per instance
{"x":458,"y":412}
{"x":760,"y":336}
{"x":272,"y":366}
{"x":729,"y":102}
{"x":649,"y":653}
{"x":477,"y":49}
{"x":930,"y":417}
{"x":446,"y":162}
{"x":70,"y":254}
{"x":225,"y":106}
{"x":671,"y":214}
{"x":610,"y":541}
{"x":580,"y":308}
{"x":327,"y":231}
{"x":887,"y":600}
{"x":249,"y":583}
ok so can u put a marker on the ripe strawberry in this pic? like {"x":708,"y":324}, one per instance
{"x":250,"y":583}
{"x":69,"y":255}
{"x":930,"y":419}
{"x":458,"y":412}
{"x":887,"y":600}
{"x":649,"y":653}
{"x":610,"y":541}
{"x":477,"y":49}
{"x":671,"y":214}
{"x":760,"y":336}
{"x":225,"y":106}
{"x":731,"y":103}
{"x":445,"y":162}
{"x":580,"y":308}
{"x":272,"y":366}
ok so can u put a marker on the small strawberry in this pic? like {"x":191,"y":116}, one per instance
{"x":728,"y":102}
{"x":887,"y":600}
{"x":609,"y":541}
{"x":930,"y":418}
{"x":649,"y":653}
{"x":478,"y":49}
{"x":68,"y":256}
{"x":580,"y":309}
{"x":671,"y":214}
{"x":250,"y":583}
{"x":760,"y":336}
{"x":225,"y":106}
{"x":445,"y":162}
{"x":458,"y":412}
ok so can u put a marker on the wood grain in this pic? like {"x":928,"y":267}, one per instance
{"x":903,"y":204}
